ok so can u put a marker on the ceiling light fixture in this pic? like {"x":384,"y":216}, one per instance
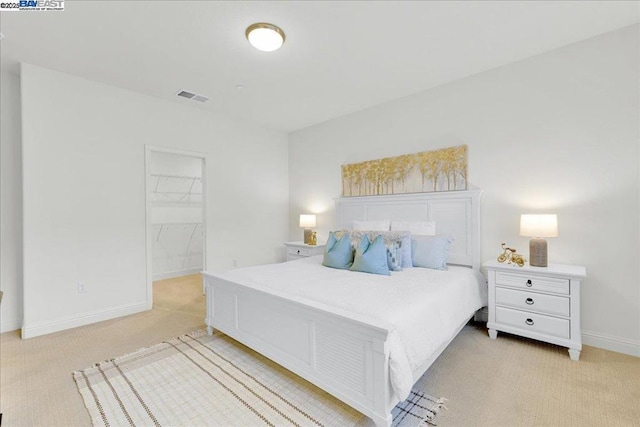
{"x":265,"y":37}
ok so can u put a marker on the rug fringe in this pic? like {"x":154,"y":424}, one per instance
{"x":194,"y":334}
{"x":439,"y":404}
{"x":197,"y":333}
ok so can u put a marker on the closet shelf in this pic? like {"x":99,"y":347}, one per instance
{"x":176,"y":223}
{"x":176,"y":192}
{"x":162,"y":175}
{"x":176,"y":189}
{"x":177,"y":204}
{"x":193,"y":226}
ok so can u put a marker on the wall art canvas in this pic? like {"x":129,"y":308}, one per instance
{"x":428,"y":171}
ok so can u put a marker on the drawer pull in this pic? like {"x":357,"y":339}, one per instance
{"x":529,"y":283}
{"x":529,"y":301}
{"x":298,"y":251}
{"x":529,"y":322}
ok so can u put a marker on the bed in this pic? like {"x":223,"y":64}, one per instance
{"x":363,"y":338}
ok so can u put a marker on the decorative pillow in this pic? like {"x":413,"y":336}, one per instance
{"x":393,"y":256}
{"x":431,"y":251}
{"x":381,"y":225}
{"x":423,"y":228}
{"x":388,"y":236}
{"x":371,"y":257}
{"x":338,"y":253}
{"x":356,"y":236}
{"x":339,"y":233}
{"x":403,"y":253}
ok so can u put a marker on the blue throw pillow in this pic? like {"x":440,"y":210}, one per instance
{"x":431,"y":251}
{"x":371,"y":257}
{"x":338,"y":252}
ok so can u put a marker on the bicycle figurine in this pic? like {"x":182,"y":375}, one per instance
{"x":510,"y":256}
{"x":517,"y":259}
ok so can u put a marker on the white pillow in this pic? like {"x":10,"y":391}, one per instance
{"x":381,"y":225}
{"x":423,"y":228}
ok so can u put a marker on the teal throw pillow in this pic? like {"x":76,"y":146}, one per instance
{"x":338,"y":253}
{"x":371,"y":257}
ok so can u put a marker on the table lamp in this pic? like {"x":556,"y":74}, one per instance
{"x":538,"y":227}
{"x":307,"y":222}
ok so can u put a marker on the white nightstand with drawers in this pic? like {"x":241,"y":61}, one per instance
{"x":542,"y":303}
{"x":297,"y":250}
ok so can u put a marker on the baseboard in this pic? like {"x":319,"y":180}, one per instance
{"x":612,"y":343}
{"x":179,"y":273}
{"x":10,"y":325}
{"x":68,"y":322}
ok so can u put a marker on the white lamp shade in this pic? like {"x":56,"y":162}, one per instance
{"x":539,"y":225}
{"x":307,"y":221}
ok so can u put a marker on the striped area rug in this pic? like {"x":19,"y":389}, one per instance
{"x":201,"y":380}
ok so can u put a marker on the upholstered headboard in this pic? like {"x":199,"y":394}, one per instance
{"x":455,"y":212}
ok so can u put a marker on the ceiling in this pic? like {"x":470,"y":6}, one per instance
{"x":338,"y":58}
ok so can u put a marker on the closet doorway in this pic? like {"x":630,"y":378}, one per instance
{"x":175,"y":183}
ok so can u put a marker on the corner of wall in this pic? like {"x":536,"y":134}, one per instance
{"x":11,"y":258}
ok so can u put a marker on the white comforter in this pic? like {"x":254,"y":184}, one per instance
{"x":425,"y":306}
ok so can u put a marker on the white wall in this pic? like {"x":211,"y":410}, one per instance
{"x":10,"y":204}
{"x":84,"y":194}
{"x":558,"y":132}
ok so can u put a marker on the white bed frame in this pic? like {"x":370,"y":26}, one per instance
{"x":343,"y":353}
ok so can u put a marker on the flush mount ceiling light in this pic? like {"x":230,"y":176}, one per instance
{"x":265,"y":37}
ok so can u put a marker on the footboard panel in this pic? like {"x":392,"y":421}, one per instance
{"x":343,"y":354}
{"x":272,"y":323}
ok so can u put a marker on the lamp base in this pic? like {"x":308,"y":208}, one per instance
{"x":538,"y":252}
{"x":307,"y":236}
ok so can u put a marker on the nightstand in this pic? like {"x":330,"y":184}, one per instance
{"x":297,"y":250}
{"x":542,"y":303}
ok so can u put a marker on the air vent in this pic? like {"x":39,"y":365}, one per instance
{"x":185,"y":94}
{"x":193,"y":96}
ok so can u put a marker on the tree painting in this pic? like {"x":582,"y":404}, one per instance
{"x":428,"y":171}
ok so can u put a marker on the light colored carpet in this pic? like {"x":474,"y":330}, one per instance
{"x":201,"y":380}
{"x":36,"y":388}
{"x":180,"y":294}
{"x":510,"y":381}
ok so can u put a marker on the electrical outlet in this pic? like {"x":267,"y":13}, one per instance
{"x":82,"y":287}
{"x":235,"y":262}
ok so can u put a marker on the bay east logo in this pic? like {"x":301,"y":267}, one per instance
{"x":42,"y":4}
{"x":38,"y":5}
